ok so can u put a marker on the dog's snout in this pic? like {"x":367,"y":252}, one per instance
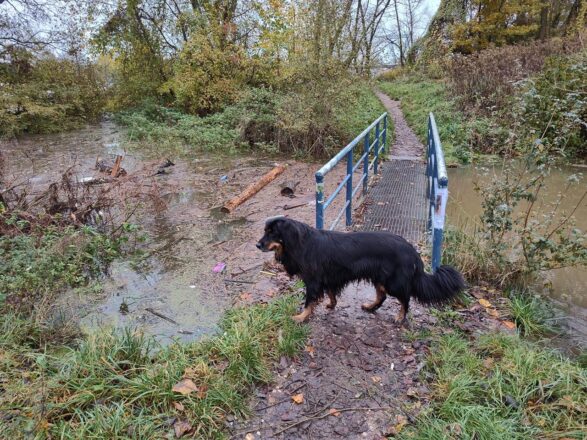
{"x":259,"y":245}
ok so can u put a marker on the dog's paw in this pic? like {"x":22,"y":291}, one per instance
{"x":368,"y":308}
{"x":402,"y":323}
{"x":299,"y":318}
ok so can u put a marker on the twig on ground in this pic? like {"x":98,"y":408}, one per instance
{"x":312,"y":418}
{"x":160,"y":315}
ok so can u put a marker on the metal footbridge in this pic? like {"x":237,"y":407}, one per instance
{"x":405,"y":196}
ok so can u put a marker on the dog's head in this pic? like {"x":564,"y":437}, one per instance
{"x":280,"y":233}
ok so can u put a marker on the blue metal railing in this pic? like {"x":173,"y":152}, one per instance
{"x":376,"y":147}
{"x":436,"y":190}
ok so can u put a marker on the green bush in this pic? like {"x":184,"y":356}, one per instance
{"x":36,"y":265}
{"x":49,"y":95}
{"x":314,"y":122}
{"x":554,"y":106}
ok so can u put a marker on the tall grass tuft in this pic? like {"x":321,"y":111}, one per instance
{"x":501,"y":387}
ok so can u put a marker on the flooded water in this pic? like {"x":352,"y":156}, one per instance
{"x":176,"y":294}
{"x":566,"y":287}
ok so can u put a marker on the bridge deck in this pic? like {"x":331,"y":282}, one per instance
{"x":397,"y":202}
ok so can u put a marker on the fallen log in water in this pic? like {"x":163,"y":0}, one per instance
{"x":252,"y":189}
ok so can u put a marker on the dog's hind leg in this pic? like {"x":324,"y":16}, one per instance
{"x":332,"y":297}
{"x":380,"y":297}
{"x":402,"y":316}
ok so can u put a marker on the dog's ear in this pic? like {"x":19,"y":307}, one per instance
{"x":290,"y":231}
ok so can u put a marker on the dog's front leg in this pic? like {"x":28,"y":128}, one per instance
{"x":311,"y":301}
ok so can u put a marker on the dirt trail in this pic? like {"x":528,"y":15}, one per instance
{"x":362,"y":367}
{"x":406,"y":144}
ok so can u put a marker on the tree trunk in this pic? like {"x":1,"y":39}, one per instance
{"x":399,"y":33}
{"x":253,"y":189}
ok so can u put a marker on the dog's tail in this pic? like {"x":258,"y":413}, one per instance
{"x":442,"y":286}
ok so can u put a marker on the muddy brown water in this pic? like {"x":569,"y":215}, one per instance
{"x":567,"y":287}
{"x":177,"y":281}
{"x":176,"y":294}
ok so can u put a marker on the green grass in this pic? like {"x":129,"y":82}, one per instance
{"x":313,"y":123}
{"x":421,"y":96}
{"x":531,"y":314}
{"x":362,"y":109}
{"x":501,"y":387}
{"x":461,"y":138}
{"x":43,"y":260}
{"x":119,"y":385}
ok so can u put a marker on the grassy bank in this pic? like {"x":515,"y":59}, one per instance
{"x":419,"y":96}
{"x":314,"y":122}
{"x":501,"y":387}
{"x":121,"y":385}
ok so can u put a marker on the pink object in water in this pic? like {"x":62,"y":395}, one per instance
{"x":219,"y":267}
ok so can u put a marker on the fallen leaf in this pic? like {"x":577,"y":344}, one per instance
{"x":492,"y":312}
{"x":376,"y":379}
{"x":181,"y":427}
{"x":310,"y":349}
{"x":485,"y":303}
{"x":488,"y":363}
{"x":412,"y":392}
{"x":455,"y":428}
{"x":246,"y":296}
{"x":401,"y":421}
{"x":250,"y":436}
{"x":185,"y":387}
{"x":298,"y":398}
{"x":509,"y":324}
{"x":477,"y":294}
{"x":334,"y":412}
{"x":202,"y":391}
{"x":178,"y":406}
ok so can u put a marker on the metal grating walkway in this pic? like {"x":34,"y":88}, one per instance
{"x":397,"y":203}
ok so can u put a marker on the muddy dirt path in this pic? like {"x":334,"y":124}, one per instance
{"x":359,"y":376}
{"x":406,"y":144}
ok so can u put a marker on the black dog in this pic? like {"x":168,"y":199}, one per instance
{"x":327,"y":261}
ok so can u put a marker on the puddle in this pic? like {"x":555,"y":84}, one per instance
{"x":178,"y":282}
{"x":569,"y":285}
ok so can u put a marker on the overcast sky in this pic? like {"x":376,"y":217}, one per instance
{"x":432,"y":5}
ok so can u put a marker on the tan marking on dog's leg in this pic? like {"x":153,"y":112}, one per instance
{"x":401,"y":315}
{"x":332,"y":298}
{"x":306,"y":313}
{"x":379,"y":298}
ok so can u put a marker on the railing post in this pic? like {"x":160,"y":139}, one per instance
{"x":366,"y":164}
{"x":385,"y":134}
{"x":429,"y":176}
{"x":319,"y":201}
{"x":439,"y":214}
{"x":349,"y":188}
{"x":376,"y":162}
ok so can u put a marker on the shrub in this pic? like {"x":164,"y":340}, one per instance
{"x":42,"y":263}
{"x":49,"y":95}
{"x":485,"y":82}
{"x":554,"y":106}
{"x":317,"y":121}
{"x":207,"y":76}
